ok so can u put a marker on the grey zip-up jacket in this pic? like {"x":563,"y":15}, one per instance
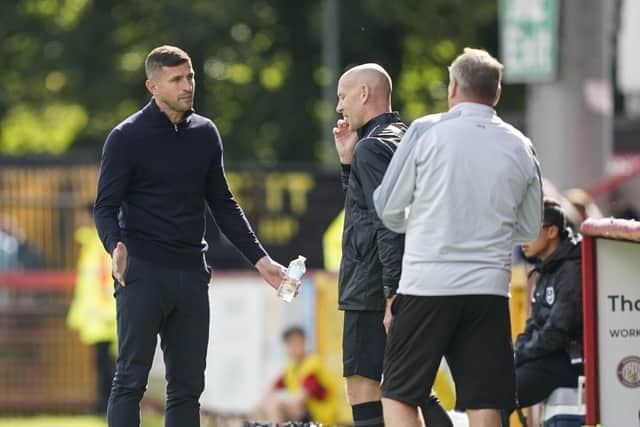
{"x":371,"y":254}
{"x":464,"y":186}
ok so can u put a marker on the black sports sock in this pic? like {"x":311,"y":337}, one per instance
{"x":434,"y":414}
{"x":368,"y":414}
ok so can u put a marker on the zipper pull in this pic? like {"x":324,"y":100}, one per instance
{"x":175,"y":126}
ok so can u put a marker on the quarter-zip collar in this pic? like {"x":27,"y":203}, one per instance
{"x":378,"y":122}
{"x":474,"y":108}
{"x":159,"y":119}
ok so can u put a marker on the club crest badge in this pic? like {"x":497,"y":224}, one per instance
{"x":629,"y":371}
{"x":550,"y":295}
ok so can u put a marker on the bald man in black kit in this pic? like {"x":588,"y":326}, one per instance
{"x":366,"y":138}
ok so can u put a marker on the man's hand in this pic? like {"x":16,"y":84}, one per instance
{"x":119,"y":263}
{"x":345,"y":140}
{"x":272,"y":272}
{"x":388,"y":317}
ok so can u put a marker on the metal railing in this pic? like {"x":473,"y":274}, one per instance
{"x":41,"y":206}
{"x":43,"y":365}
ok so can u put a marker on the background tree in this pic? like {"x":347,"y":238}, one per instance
{"x":73,"y":68}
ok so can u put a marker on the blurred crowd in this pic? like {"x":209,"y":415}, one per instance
{"x":16,"y":253}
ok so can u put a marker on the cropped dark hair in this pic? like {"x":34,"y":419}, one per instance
{"x":554,"y":215}
{"x":291,"y":331}
{"x":164,"y":56}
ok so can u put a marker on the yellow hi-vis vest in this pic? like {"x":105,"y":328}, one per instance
{"x":332,"y":244}
{"x":93,"y":311}
{"x":322,"y":411}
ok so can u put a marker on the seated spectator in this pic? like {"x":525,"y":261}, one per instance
{"x":16,"y":253}
{"x":622,"y":207}
{"x":548,"y":354}
{"x":302,"y":392}
{"x":574,"y":218}
{"x":584,"y":204}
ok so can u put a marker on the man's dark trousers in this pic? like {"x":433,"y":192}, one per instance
{"x":536,"y":379}
{"x":175,"y":305}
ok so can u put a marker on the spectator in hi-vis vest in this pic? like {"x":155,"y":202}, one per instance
{"x":93,"y":309}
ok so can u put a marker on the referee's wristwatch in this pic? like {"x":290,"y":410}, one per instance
{"x":389,"y":292}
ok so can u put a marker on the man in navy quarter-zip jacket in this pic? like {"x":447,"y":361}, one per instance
{"x":159,"y":168}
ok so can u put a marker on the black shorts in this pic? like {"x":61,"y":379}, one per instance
{"x":473,"y":333}
{"x":363,"y":342}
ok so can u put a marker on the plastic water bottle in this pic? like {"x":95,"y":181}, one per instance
{"x":289,"y":286}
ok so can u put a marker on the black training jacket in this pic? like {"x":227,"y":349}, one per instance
{"x":555,"y":323}
{"x":371,"y":254}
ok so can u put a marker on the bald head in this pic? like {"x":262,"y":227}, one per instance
{"x":364,"y":92}
{"x":372,"y":75}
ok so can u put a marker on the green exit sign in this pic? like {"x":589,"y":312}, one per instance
{"x":529,"y":40}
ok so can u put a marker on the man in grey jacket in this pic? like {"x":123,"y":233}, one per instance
{"x":464,"y":186}
{"x":366,"y":138}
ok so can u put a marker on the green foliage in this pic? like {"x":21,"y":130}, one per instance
{"x":72,"y":69}
{"x":49,"y":129}
{"x":416,"y":41}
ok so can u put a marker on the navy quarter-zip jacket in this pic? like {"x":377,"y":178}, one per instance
{"x":155,"y":178}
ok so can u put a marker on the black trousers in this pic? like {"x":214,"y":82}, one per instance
{"x":175,"y":305}
{"x":536,"y":379}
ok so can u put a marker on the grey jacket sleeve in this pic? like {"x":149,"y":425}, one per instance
{"x":529,"y":215}
{"x":369,"y":166}
{"x":395,"y":193}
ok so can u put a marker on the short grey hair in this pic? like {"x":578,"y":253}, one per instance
{"x":164,"y":56}
{"x":477,"y":73}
